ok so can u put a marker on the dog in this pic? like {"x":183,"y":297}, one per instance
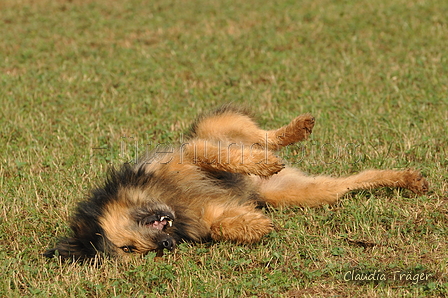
{"x":208,"y":189}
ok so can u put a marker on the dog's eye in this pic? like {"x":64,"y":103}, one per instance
{"x":128,"y":248}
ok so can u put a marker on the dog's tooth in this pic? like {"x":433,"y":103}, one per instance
{"x":162,"y":218}
{"x":170,"y":223}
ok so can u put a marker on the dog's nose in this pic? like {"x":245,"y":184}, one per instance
{"x":166,"y":242}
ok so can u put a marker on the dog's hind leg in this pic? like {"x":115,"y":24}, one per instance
{"x":239,"y":223}
{"x":291,"y":187}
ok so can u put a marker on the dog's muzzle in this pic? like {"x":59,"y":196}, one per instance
{"x":158,"y":221}
{"x":165,"y":241}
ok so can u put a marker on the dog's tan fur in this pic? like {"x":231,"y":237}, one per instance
{"x":210,"y":188}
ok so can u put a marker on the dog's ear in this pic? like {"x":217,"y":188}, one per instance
{"x":71,"y":248}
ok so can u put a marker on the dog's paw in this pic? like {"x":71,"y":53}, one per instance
{"x":415,"y":182}
{"x":306,"y":124}
{"x":303,"y":126}
{"x":298,"y":130}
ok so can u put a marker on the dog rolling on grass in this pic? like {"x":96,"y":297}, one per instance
{"x":208,"y":189}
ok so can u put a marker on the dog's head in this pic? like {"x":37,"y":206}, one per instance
{"x":138,"y":229}
{"x":125,"y":216}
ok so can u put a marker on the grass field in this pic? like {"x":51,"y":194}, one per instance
{"x":85,"y":84}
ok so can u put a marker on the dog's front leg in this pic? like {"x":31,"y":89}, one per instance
{"x":237,"y":223}
{"x":232,"y":157}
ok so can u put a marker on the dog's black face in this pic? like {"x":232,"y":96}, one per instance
{"x":138,"y":229}
{"x":119,"y":231}
{"x":156,"y":221}
{"x":127,"y":215}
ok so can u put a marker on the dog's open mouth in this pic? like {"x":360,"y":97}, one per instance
{"x":161,"y":223}
{"x":158,"y":221}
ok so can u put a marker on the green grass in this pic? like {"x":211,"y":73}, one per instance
{"x":79,"y":75}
